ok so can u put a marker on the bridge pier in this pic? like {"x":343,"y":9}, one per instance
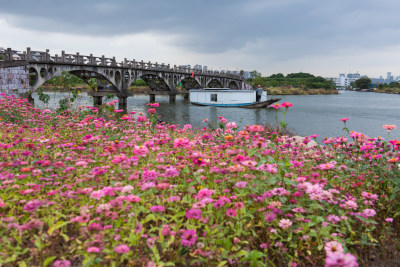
{"x":123,"y":103}
{"x":31,"y":100}
{"x":152,"y":97}
{"x":172,"y":98}
{"x":97,"y":100}
{"x":186,"y":96}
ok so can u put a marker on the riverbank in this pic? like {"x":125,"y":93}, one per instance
{"x":395,"y":91}
{"x":299,"y":91}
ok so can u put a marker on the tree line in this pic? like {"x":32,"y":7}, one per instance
{"x":297,"y":80}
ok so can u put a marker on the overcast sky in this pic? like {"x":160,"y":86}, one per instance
{"x":323,"y":37}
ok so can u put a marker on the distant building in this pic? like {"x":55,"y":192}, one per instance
{"x":389,"y":78}
{"x":344,"y":80}
{"x":246,"y":74}
{"x":197,"y":67}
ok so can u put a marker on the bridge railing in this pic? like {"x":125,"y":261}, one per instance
{"x":77,"y":59}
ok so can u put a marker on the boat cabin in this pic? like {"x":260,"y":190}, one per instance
{"x":225,"y":97}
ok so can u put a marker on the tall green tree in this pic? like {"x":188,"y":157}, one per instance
{"x":363,"y":83}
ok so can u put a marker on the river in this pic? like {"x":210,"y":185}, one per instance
{"x":319,"y":114}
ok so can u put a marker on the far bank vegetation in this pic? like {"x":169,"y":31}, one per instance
{"x":293,"y":84}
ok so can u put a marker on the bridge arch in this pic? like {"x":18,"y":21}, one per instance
{"x":214,"y":83}
{"x":41,"y":73}
{"x":155,"y":82}
{"x":233,"y":85}
{"x":190,"y":83}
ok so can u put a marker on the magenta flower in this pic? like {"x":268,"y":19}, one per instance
{"x":32,"y":205}
{"x":344,"y":119}
{"x":189,"y":238}
{"x":369,"y":212}
{"x":93,"y":250}
{"x":241,"y":184}
{"x":122,"y":249}
{"x":231,"y":212}
{"x":62,"y":263}
{"x":338,"y":259}
{"x":138,"y":228}
{"x":194,"y":214}
{"x":157,"y":208}
{"x":286,"y":105}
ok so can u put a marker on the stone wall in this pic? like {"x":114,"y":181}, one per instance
{"x":14,"y":80}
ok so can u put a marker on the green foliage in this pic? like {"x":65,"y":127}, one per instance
{"x":43,"y":97}
{"x":363,"y":83}
{"x":66,"y":80}
{"x":296,"y":80}
{"x":139,"y":82}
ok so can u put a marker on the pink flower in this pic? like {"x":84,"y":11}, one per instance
{"x":62,"y":263}
{"x":32,"y":205}
{"x":2,"y":204}
{"x":138,"y":228}
{"x":344,"y":119}
{"x":286,"y":105}
{"x":275,"y":106}
{"x":369,"y":212}
{"x":194,"y":214}
{"x":181,"y":143}
{"x":141,"y":118}
{"x":333,"y":246}
{"x":389,"y":219}
{"x":151,"y":111}
{"x":389,"y":127}
{"x":241,"y":184}
{"x":231,"y":125}
{"x":189,"y":238}
{"x":122,"y":249}
{"x":157,"y":208}
{"x":285,"y":223}
{"x":93,"y":250}
{"x":81,"y":163}
{"x":231,"y":212}
{"x":338,"y":259}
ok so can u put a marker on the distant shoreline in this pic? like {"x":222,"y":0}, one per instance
{"x":270,"y":91}
{"x":300,"y":91}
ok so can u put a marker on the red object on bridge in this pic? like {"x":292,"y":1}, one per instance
{"x":192,"y":74}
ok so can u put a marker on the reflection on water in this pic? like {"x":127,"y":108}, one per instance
{"x":309,"y":115}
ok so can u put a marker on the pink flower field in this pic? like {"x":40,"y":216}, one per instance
{"x":83,"y":189}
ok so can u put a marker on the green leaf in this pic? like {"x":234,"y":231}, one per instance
{"x":48,"y":260}
{"x":222,"y":263}
{"x":241,"y":253}
{"x":56,"y":226}
{"x":66,"y":238}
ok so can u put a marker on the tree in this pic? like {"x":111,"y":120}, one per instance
{"x":255,"y":74}
{"x":363,"y":83}
{"x":277,"y":76}
{"x":300,"y":75}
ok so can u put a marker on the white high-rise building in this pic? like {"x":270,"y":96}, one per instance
{"x":344,"y":80}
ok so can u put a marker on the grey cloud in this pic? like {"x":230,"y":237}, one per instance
{"x":291,"y":28}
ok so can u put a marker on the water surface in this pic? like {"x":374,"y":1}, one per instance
{"x":319,"y":114}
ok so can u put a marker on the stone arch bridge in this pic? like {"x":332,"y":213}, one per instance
{"x":40,"y":67}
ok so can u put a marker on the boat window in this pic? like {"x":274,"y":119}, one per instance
{"x":214,"y":97}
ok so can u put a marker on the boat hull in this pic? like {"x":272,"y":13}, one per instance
{"x":242,"y":105}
